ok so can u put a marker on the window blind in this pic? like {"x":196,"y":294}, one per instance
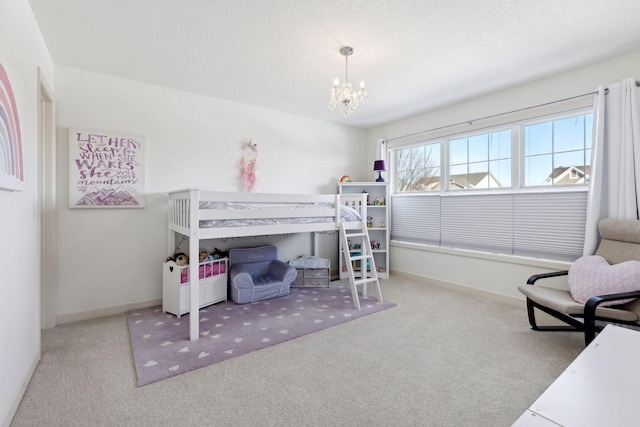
{"x":547,"y":225}
{"x":416,"y":219}
{"x":478,"y":222}
{"x":550,"y":225}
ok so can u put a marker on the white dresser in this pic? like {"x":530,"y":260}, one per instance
{"x":599,"y":388}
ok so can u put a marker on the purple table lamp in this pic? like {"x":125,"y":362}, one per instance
{"x":379,"y":165}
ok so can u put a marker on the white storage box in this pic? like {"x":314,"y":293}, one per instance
{"x":176,"y":290}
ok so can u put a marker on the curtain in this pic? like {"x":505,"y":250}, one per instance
{"x":614,"y":184}
{"x":381,"y":154}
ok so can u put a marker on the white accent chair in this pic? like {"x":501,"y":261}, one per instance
{"x":620,"y":242}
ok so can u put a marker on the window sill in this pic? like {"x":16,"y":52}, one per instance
{"x":511,"y":259}
{"x":497,"y":191}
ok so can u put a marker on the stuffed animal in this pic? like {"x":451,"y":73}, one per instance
{"x":182,"y":259}
{"x":217,"y":253}
{"x":205,"y":256}
{"x":179,"y":258}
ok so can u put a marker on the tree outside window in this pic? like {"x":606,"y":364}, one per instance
{"x":418,"y":168}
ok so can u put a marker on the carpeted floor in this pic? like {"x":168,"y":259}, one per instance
{"x":442,"y":357}
{"x":162,"y":349}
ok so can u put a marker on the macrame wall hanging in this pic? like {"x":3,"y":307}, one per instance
{"x":248,"y":165}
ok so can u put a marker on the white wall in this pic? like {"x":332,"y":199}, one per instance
{"x":22,"y":51}
{"x":112,"y":257}
{"x":494,"y":274}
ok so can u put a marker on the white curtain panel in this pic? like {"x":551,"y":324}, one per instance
{"x":381,"y":155}
{"x":614,"y":185}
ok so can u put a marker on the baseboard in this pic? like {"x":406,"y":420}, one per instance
{"x":105,"y":311}
{"x":460,"y":287}
{"x":12,"y":408}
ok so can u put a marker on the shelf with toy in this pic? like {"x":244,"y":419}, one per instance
{"x":377,"y":220}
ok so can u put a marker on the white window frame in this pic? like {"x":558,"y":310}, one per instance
{"x":409,"y":146}
{"x":544,"y":221}
{"x":550,"y":117}
{"x":446,"y":146}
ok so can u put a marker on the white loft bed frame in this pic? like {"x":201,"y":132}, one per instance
{"x":186,"y":221}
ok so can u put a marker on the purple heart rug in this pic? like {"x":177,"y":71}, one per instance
{"x":162,"y":349}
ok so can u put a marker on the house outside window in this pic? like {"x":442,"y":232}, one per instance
{"x":518,"y":189}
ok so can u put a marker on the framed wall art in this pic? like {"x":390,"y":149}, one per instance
{"x":11,"y":162}
{"x":106,"y":169}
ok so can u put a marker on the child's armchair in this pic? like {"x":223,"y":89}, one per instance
{"x":256,"y":274}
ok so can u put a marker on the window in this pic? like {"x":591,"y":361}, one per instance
{"x":518,"y":189}
{"x":480,"y":161}
{"x":555,"y":152}
{"x":558,"y":152}
{"x":417,"y":168}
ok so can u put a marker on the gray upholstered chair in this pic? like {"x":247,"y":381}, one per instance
{"x":256,"y":274}
{"x":620,"y":242}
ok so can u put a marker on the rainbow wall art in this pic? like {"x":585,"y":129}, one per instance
{"x":11,"y":172}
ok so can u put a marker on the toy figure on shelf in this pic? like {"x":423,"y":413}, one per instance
{"x":365,"y":192}
{"x":369,"y":221}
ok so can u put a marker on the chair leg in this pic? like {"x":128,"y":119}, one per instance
{"x":532,"y":315}
{"x":589,"y":330}
{"x":572,"y":324}
{"x":588,"y":326}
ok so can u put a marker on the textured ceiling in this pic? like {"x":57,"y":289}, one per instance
{"x":414,"y":55}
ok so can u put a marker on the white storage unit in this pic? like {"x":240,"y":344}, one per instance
{"x":176,"y":291}
{"x":378,"y":210}
{"x":313,"y":272}
{"x":599,"y":388}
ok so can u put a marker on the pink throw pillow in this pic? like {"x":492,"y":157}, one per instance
{"x":592,"y":275}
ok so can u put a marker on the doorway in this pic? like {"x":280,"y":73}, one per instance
{"x":47,"y":202}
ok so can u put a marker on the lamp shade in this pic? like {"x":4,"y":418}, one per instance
{"x":379,"y":165}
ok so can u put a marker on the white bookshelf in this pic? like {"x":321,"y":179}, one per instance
{"x":378,"y":209}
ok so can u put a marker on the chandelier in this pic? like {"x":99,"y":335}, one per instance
{"x":344,"y":98}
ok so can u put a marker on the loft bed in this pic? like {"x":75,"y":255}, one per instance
{"x":222,"y":215}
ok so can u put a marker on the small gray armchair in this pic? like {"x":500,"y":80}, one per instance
{"x":256,"y":274}
{"x":620,"y":242}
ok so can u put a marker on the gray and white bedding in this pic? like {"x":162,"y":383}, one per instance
{"x":347,"y":214}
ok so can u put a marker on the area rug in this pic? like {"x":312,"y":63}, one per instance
{"x":162,"y":349}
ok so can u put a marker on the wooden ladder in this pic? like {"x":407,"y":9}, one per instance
{"x":367,"y":272}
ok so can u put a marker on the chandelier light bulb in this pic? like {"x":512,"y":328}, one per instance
{"x":344,"y":98}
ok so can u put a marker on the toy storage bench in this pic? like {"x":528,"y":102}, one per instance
{"x":176,"y":290}
{"x":312,"y":272}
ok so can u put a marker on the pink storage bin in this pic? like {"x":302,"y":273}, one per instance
{"x":206,"y":269}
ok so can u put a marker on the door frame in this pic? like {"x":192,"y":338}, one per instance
{"x":47,"y":202}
